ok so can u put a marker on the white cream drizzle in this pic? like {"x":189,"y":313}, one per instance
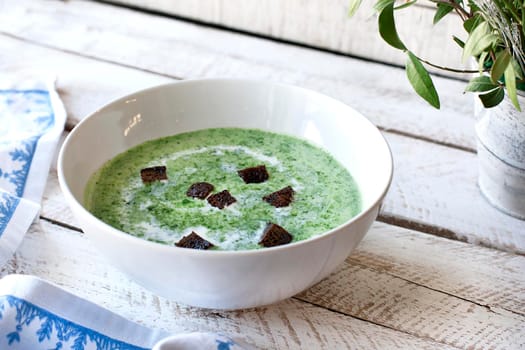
{"x":219,"y":151}
{"x":154,"y":231}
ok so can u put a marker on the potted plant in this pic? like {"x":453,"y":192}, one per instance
{"x":495,"y":39}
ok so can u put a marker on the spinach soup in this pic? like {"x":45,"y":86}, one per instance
{"x":223,"y":188}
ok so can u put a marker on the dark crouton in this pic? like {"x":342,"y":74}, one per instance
{"x":199,"y":190}
{"x":155,"y":173}
{"x":275,"y":235}
{"x":256,"y":174}
{"x":281,"y":198}
{"x":221,"y":199}
{"x":194,"y":241}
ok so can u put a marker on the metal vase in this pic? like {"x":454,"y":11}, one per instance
{"x":501,"y":152}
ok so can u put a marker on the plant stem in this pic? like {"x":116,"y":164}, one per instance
{"x":459,"y":9}
{"x":455,"y":70}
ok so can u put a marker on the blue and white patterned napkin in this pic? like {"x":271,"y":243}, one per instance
{"x":32,"y":119}
{"x":36,"y":315}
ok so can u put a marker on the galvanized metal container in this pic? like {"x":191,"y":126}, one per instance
{"x":501,"y":152}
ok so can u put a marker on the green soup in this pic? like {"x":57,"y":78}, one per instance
{"x":325,"y":193}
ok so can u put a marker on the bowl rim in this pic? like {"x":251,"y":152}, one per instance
{"x":101,"y":225}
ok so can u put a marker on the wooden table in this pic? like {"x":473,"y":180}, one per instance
{"x":439,"y":269}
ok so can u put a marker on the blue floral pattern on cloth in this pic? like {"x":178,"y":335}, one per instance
{"x":25,"y":115}
{"x":8,"y":205}
{"x":36,"y":328}
{"x":224,"y":344}
{"x":30,"y":113}
{"x":38,"y":315}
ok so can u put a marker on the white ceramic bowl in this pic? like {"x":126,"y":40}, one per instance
{"x":227,"y":279}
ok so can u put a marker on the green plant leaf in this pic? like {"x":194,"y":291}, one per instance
{"x":380,"y":5}
{"x":480,"y":84}
{"x":493,"y":97}
{"x":405,"y":5}
{"x":479,"y":39}
{"x":471,"y":23}
{"x":517,"y":69}
{"x":500,"y":65}
{"x":442,"y":10}
{"x":510,"y":83}
{"x":353,"y":6}
{"x":473,"y":7}
{"x":421,"y":81}
{"x":481,"y":61}
{"x":387,"y":27}
{"x":458,"y":41}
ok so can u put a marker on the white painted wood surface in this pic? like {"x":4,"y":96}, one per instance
{"x":325,"y":24}
{"x":437,"y":185}
{"x":375,"y":300}
{"x":400,"y":289}
{"x":181,"y":50}
{"x":437,"y":263}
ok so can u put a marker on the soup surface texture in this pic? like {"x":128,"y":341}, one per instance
{"x":325,"y":195}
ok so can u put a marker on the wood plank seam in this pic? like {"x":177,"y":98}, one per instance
{"x":422,"y":227}
{"x":432,"y":230}
{"x":485,"y":324}
{"x":489,"y":308}
{"x":426,"y":139}
{"x":61,"y":224}
{"x":79,"y":54}
{"x":304,"y":300}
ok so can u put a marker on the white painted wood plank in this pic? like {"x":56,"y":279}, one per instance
{"x":182,"y":50}
{"x":398,"y":260}
{"x":67,"y":258}
{"x":84,"y":84}
{"x":403,"y":305}
{"x":469,"y":272}
{"x":438,"y":185}
{"x":325,"y":24}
